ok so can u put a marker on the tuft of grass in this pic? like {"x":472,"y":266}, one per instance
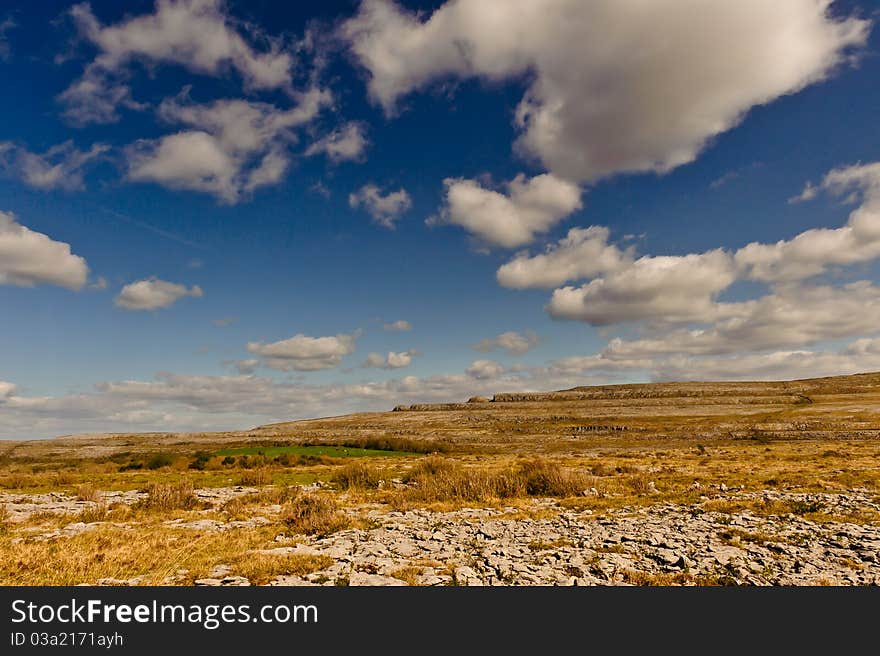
{"x":313,"y":514}
{"x":268,"y":496}
{"x":357,"y":476}
{"x":255,"y":477}
{"x":4,"y":518}
{"x":259,"y":569}
{"x":96,"y":513}
{"x":169,"y":496}
{"x":545,"y":478}
{"x":87,"y":492}
{"x":437,"y":479}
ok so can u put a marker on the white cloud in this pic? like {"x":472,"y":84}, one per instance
{"x":811,"y":252}
{"x":303,"y":353}
{"x":612,"y":86}
{"x":386,"y":209}
{"x":6,"y":389}
{"x":861,"y":356}
{"x":399,"y":326}
{"x":666,"y":289}
{"x":29,"y":258}
{"x":247,"y":367}
{"x":238,"y":146}
{"x":6,"y":26}
{"x":154,"y":294}
{"x":391,"y":361}
{"x":195,"y":34}
{"x":582,"y":253}
{"x":347,"y":143}
{"x":484,"y":369}
{"x":511,"y":341}
{"x":61,"y":167}
{"x":594,"y":106}
{"x":530,"y":206}
{"x":790,"y":317}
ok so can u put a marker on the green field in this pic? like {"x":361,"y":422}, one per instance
{"x":299,"y":450}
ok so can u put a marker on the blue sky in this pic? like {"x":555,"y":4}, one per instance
{"x":211,"y":213}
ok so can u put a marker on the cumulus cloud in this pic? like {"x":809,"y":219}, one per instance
{"x":792,"y":316}
{"x":530,"y":206}
{"x":154,"y":294}
{"x":303,"y":353}
{"x":195,"y":34}
{"x":582,"y":253}
{"x":29,"y":258}
{"x":860,"y":357}
{"x":484,"y":369}
{"x":667,"y":289}
{"x":235,"y":146}
{"x":246,"y":367}
{"x":347,"y":143}
{"x":391,"y":361}
{"x":399,"y":326}
{"x":61,"y":167}
{"x":511,"y":341}
{"x":593,"y":106}
{"x":385,"y":210}
{"x":811,"y":252}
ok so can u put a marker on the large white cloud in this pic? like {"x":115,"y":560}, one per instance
{"x":582,"y":253}
{"x":613,"y":85}
{"x":530,"y":206}
{"x":195,"y":34}
{"x":303,"y":353}
{"x":235,"y":147}
{"x":385,"y":209}
{"x":61,"y":167}
{"x":667,"y":289}
{"x":790,"y":317}
{"x":29,"y":258}
{"x":154,"y":294}
{"x":813,"y":251}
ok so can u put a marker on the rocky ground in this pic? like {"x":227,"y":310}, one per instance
{"x":544,"y":544}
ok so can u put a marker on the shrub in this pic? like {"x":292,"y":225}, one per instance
{"x":228,"y":461}
{"x":169,"y":496}
{"x":313,"y":514}
{"x":545,"y":478}
{"x":357,"y":476}
{"x":200,"y":461}
{"x":255,"y":477}
{"x":159,"y":460}
{"x":87,"y":492}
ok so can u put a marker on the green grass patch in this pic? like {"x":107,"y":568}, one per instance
{"x":315,"y":451}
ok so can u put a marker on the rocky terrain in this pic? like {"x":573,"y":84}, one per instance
{"x":545,"y":544}
{"x":659,"y":484}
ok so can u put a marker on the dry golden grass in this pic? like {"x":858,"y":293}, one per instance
{"x":357,"y":476}
{"x":163,"y":497}
{"x":87,"y":492}
{"x":313,"y":514}
{"x":152,"y":551}
{"x":255,"y":477}
{"x":262,"y":568}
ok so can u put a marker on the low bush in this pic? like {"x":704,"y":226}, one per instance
{"x":313,"y":514}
